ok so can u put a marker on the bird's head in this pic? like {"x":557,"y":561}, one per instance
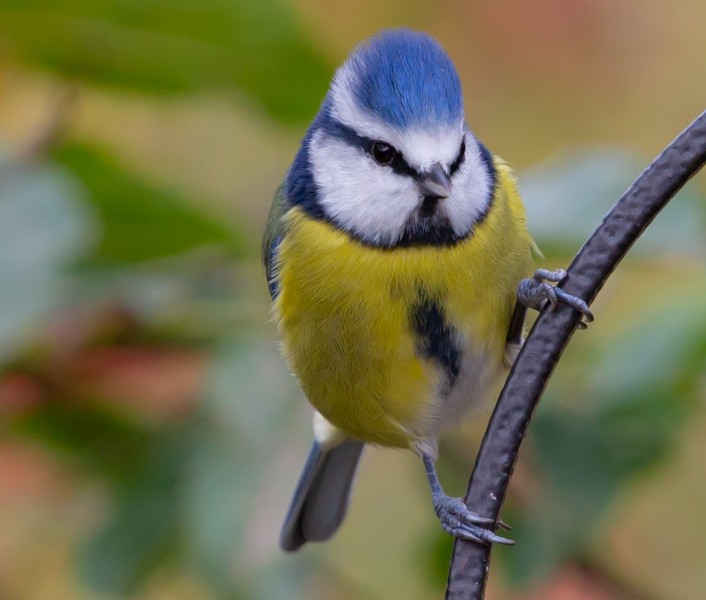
{"x":389,"y":158}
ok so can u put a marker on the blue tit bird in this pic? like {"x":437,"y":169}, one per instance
{"x":393,"y":253}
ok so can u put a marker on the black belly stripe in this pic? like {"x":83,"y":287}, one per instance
{"x":436,"y":340}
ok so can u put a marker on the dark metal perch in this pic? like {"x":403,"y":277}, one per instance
{"x":589,"y":270}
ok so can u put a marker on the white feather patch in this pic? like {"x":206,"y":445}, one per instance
{"x":359,"y":194}
{"x":375,"y":203}
{"x":326,"y":434}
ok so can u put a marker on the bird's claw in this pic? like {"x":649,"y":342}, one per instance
{"x":462,"y":523}
{"x":535,"y":291}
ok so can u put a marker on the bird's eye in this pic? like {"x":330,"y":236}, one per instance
{"x":383,"y":153}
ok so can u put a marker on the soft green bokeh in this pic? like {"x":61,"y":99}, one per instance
{"x":151,"y":434}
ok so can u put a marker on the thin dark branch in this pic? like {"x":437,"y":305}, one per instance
{"x":551,"y":333}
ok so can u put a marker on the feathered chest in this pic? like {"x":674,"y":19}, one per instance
{"x":375,"y":334}
{"x":430,"y":291}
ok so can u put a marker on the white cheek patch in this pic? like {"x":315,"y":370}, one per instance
{"x":376,"y":204}
{"x":359,"y":195}
{"x":471,"y":190}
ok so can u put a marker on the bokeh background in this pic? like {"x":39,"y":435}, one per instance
{"x":150,"y":435}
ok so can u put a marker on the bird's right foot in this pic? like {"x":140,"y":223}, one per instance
{"x":537,"y":290}
{"x":463,"y":523}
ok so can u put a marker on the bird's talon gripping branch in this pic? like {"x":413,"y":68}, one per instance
{"x":535,"y":291}
{"x":456,"y":518}
{"x":479,"y":535}
{"x":460,"y":522}
{"x":574,"y":302}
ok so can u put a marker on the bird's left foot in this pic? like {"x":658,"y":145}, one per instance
{"x":462,"y":523}
{"x":537,"y":290}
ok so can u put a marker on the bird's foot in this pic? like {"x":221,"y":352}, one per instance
{"x":537,"y":290}
{"x":462,"y":523}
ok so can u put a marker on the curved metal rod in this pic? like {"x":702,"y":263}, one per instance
{"x":596,"y":260}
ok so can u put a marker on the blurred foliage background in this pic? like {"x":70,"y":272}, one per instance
{"x":150,"y":435}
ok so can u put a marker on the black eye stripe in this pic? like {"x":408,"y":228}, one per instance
{"x":398,"y":164}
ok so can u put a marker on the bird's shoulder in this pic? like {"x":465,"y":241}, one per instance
{"x":506,"y":189}
{"x":275,"y":230}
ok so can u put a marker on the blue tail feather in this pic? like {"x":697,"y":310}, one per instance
{"x":321,"y":498}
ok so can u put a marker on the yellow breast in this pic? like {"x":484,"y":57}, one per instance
{"x":345,"y":309}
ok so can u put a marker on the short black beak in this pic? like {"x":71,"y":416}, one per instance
{"x":435,"y":184}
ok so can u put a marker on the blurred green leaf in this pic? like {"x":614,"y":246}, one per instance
{"x":140,"y":221}
{"x":193,"y":491}
{"x":44,"y":227}
{"x":89,"y":434}
{"x":652,"y":355}
{"x":248,"y":392}
{"x":144,"y":528}
{"x":250,"y":46}
{"x":540,"y":550}
{"x":567,"y":197}
{"x":626,"y":418}
{"x":243,"y":418}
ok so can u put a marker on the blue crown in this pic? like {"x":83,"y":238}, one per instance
{"x":405,"y":78}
